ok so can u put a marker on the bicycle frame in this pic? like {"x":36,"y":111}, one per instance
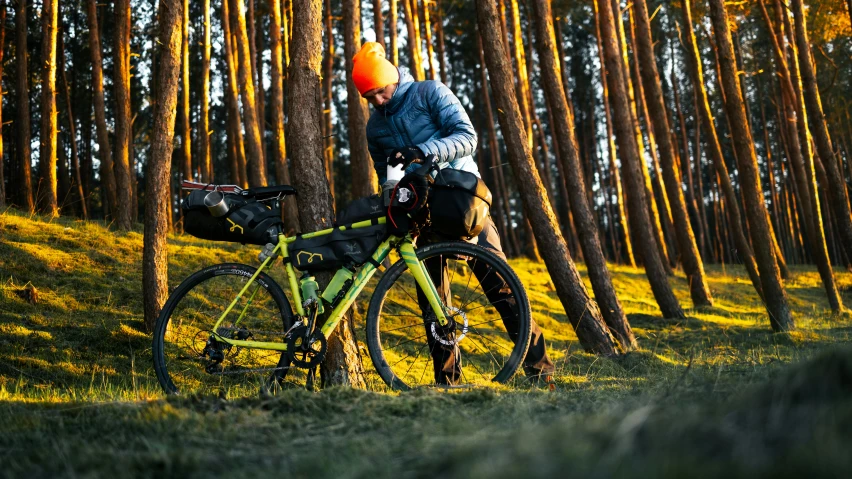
{"x":406,"y":250}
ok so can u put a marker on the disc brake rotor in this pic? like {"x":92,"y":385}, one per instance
{"x":453,"y":333}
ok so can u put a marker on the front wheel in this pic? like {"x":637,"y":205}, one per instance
{"x":489,"y":321}
{"x":187,"y":357}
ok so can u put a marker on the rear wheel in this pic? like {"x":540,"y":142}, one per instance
{"x":488,"y":309}
{"x":189,"y":360}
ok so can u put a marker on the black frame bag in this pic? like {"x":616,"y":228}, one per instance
{"x":368,"y":208}
{"x":459,"y":204}
{"x":248,"y":221}
{"x":342,"y":247}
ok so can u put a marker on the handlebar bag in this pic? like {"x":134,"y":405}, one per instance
{"x":341,"y":247}
{"x":247,"y":221}
{"x":459,"y":204}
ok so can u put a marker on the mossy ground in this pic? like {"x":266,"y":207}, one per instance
{"x":708,"y":395}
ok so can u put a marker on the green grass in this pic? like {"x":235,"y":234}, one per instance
{"x":715,"y":393}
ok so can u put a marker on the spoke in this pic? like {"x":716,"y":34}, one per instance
{"x":484,"y":322}
{"x":431,"y":350}
{"x":484,"y":293}
{"x":404,"y":327}
{"x":408,"y":341}
{"x":419,"y":350}
{"x":490,"y":341}
{"x":489,"y":304}
{"x":467,"y":287}
{"x":487,"y":351}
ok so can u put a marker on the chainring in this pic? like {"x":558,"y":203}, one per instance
{"x":307,"y":352}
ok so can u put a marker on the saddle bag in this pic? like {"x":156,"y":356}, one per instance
{"x":459,"y":204}
{"x":247,"y":221}
{"x":341,"y":247}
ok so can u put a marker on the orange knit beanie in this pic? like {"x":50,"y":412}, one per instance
{"x":370,"y":68}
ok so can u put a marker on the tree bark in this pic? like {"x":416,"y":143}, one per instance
{"x":563,"y":121}
{"x":123,"y":210}
{"x":775,"y":297}
{"x":690,"y":258}
{"x":378,"y":23}
{"x":154,"y":251}
{"x":47,"y":136}
{"x":328,"y":76}
{"x":581,"y":310}
{"x":282,"y":171}
{"x":427,"y":29}
{"x":442,"y":49}
{"x":255,"y":163}
{"x":364,"y":180}
{"x":23,"y":177}
{"x":185,"y":127}
{"x":633,"y":165}
{"x":232,"y":95}
{"x":705,"y":115}
{"x":2,"y":156}
{"x":836,"y":185}
{"x":413,"y":25}
{"x":342,"y":362}
{"x":203,"y":135}
{"x":77,"y":183}
{"x":392,"y":28}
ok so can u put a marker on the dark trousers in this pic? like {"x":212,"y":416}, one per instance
{"x":445,"y":357}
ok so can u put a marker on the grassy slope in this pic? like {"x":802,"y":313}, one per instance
{"x":708,"y":393}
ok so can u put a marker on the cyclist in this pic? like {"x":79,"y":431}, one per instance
{"x":410,"y":121}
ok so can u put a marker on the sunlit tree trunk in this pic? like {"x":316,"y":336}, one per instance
{"x":563,"y":122}
{"x":47,"y":136}
{"x":774,"y":295}
{"x":185,"y":127}
{"x":412,"y":23}
{"x":690,"y":258}
{"x":328,"y":76}
{"x":427,"y":28}
{"x":282,"y":171}
{"x":836,"y":186}
{"x":633,"y":165}
{"x":203,"y":135}
{"x":378,"y":23}
{"x":392,"y":29}
{"x":705,"y":115}
{"x":77,"y":182}
{"x":232,"y":97}
{"x":581,"y":310}
{"x":154,"y":251}
{"x":364,"y":181}
{"x":686,"y":167}
{"x":123,"y":210}
{"x":442,"y":55}
{"x":342,"y":363}
{"x":2,"y":156}
{"x":23,"y":177}
{"x":255,"y":163}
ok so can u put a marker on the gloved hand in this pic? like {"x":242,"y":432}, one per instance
{"x":406,"y":210}
{"x":405,"y":156}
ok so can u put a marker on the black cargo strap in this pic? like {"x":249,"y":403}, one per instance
{"x":374,"y":262}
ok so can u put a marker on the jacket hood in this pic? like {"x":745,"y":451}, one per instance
{"x":398,"y":98}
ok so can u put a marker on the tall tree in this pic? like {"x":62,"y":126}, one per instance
{"x":342,"y":363}
{"x":611,"y":309}
{"x":379,"y":23}
{"x":155,"y":286}
{"x":23,"y":177}
{"x":72,"y":126}
{"x":185,"y":128}
{"x":255,"y":163}
{"x":412,"y":23}
{"x":836,"y":184}
{"x":427,"y":28}
{"x":123,"y":210}
{"x":693,"y":265}
{"x":364,"y":181}
{"x":633,"y":166}
{"x":393,"y":9}
{"x":328,"y":97}
{"x":232,"y":95}
{"x":705,"y":115}
{"x":282,"y":171}
{"x":205,"y":156}
{"x":2,"y":156}
{"x":774,"y":294}
{"x":582,"y":312}
{"x":47,"y":135}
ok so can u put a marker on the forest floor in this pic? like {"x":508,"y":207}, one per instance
{"x":715,"y":394}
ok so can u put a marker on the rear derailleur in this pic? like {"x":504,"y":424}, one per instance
{"x":215,"y":350}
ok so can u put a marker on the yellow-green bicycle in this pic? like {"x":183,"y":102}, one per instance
{"x":450,"y":314}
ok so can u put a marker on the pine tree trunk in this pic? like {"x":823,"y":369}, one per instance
{"x":154,"y":251}
{"x":203,"y":135}
{"x":77,"y":183}
{"x":563,"y":121}
{"x":442,"y":49}
{"x":282,"y":171}
{"x":123,"y":210}
{"x":690,"y":258}
{"x":686,"y":166}
{"x":2,"y":156}
{"x":775,"y":297}
{"x":363,"y":175}
{"x":23,"y":177}
{"x":378,"y":23}
{"x":255,"y":164}
{"x":581,"y":310}
{"x":185,"y":128}
{"x":633,"y":165}
{"x":342,"y":363}
{"x":413,"y":26}
{"x":693,"y":61}
{"x":392,"y":28}
{"x":328,"y":76}
{"x":47,"y":136}
{"x":836,"y":186}
{"x":232,"y":95}
{"x":625,"y":240}
{"x":260,"y":96}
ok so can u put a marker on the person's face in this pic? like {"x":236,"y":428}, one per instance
{"x":379,"y":96}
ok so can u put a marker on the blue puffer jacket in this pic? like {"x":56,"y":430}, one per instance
{"x":425,"y":114}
